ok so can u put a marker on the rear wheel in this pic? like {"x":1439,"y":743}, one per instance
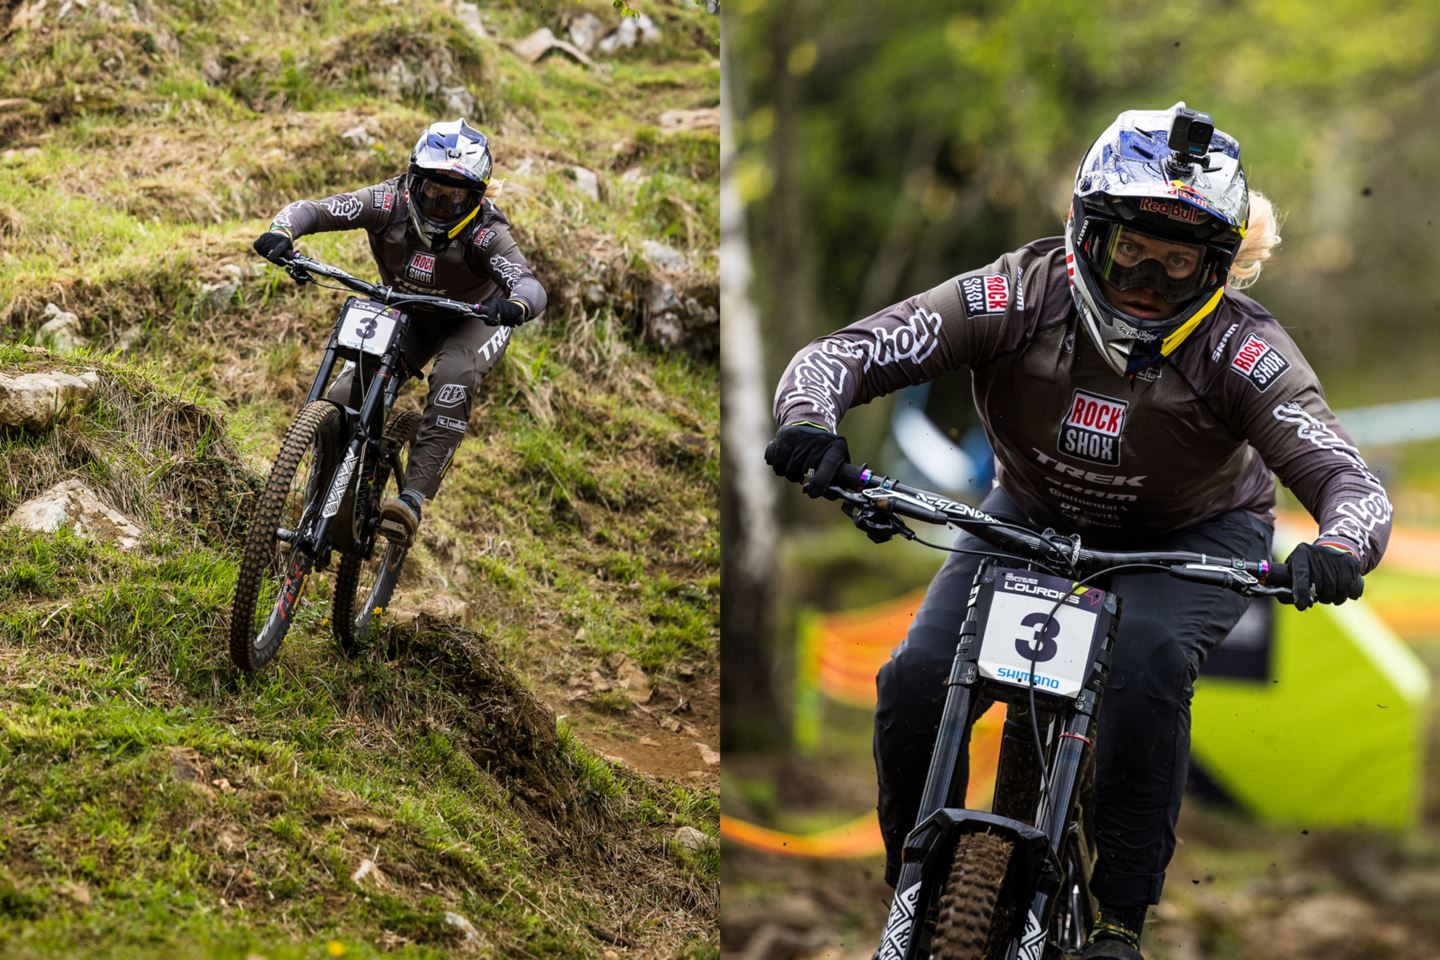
{"x":970,"y":898}
{"x":273,"y":564}
{"x":365,"y":584}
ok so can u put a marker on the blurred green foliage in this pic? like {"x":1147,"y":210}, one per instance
{"x":884,"y":147}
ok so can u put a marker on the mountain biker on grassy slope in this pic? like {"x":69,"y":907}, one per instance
{"x":1131,"y":394}
{"x":432,"y":230}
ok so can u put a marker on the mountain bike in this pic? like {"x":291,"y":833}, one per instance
{"x":335,"y":466}
{"x":1014,"y":883}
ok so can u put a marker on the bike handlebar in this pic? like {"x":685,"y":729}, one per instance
{"x":858,"y":485}
{"x":301,"y":267}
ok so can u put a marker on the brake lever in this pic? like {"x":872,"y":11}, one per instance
{"x":1244,"y":583}
{"x":876,"y":522}
{"x":297,"y":272}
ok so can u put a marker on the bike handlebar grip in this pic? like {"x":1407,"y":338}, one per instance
{"x":1278,"y":575}
{"x":850,"y":476}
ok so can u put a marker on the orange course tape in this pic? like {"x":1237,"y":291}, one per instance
{"x":861,"y":837}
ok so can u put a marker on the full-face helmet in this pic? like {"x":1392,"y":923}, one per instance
{"x":449,"y":171}
{"x":1159,"y":211}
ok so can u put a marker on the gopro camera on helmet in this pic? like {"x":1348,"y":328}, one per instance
{"x":1190,"y":133}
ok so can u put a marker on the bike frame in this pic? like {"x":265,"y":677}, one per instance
{"x":364,"y":426}
{"x":312,"y":542}
{"x":1036,"y":870}
{"x":1050,"y":856}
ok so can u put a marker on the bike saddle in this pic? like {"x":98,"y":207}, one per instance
{"x":1109,"y":949}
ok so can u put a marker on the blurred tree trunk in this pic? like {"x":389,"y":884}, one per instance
{"x":751,"y":715}
{"x":787,"y":255}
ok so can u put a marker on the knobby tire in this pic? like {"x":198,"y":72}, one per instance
{"x":352,"y":622}
{"x":253,"y":643}
{"x":968,"y":902}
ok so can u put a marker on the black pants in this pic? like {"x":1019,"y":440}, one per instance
{"x":464,"y":349}
{"x":1167,"y":628}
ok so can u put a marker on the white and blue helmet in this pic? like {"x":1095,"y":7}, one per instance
{"x":449,"y":170}
{"x":1168,"y":175}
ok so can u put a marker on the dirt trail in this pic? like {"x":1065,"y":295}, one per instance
{"x":670,"y":729}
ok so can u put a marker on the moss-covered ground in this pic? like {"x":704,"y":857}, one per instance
{"x":154,"y":802}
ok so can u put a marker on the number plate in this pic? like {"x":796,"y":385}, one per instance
{"x":366,"y":326}
{"x":1018,"y":626}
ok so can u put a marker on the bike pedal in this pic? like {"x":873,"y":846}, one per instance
{"x":395,"y":532}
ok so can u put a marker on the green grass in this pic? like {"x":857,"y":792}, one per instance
{"x":154,"y":152}
{"x":289,"y":782}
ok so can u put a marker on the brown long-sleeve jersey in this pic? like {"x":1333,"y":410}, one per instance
{"x":482,"y":262}
{"x":1206,"y":431}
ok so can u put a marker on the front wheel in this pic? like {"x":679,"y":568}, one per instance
{"x":275,"y":561}
{"x":364,"y":585}
{"x":965,"y":928}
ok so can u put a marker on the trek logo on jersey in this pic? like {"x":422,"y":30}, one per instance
{"x":1259,"y":363}
{"x":989,"y":293}
{"x":421,"y":268}
{"x":1092,"y":426}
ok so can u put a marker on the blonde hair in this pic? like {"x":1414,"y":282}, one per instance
{"x":1262,"y":236}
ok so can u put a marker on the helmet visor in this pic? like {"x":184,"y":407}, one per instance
{"x":441,"y":202}
{"x":1127,"y":258}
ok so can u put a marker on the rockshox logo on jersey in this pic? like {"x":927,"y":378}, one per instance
{"x":421,"y":268}
{"x":1259,"y":363}
{"x":1092,"y":426}
{"x":989,"y":293}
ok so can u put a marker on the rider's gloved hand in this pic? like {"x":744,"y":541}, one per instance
{"x":274,"y":245}
{"x":505,"y":313}
{"x":801,"y":447}
{"x":1323,"y":572}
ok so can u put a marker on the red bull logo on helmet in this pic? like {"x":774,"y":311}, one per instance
{"x":1174,"y":209}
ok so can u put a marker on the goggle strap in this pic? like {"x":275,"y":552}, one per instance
{"x":461,"y":225}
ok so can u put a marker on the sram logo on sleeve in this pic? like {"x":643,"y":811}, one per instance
{"x":1092,"y":427}
{"x":1259,"y":363}
{"x":986,"y":293}
{"x":421,"y":268}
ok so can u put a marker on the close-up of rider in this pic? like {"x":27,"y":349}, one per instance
{"x":432,"y":230}
{"x":1133,"y":395}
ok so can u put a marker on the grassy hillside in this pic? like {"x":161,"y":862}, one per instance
{"x":152,"y":802}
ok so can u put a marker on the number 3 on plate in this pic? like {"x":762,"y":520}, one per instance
{"x":1042,"y":646}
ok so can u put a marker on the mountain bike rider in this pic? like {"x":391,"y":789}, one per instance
{"x":1162,"y":426}
{"x":432,"y":230}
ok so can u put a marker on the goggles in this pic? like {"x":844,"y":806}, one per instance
{"x":441,"y":202}
{"x":1127,"y":258}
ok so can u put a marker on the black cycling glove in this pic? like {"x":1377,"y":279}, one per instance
{"x":801,"y":447}
{"x":1324,"y":573}
{"x":273,"y":245}
{"x":505,"y":313}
